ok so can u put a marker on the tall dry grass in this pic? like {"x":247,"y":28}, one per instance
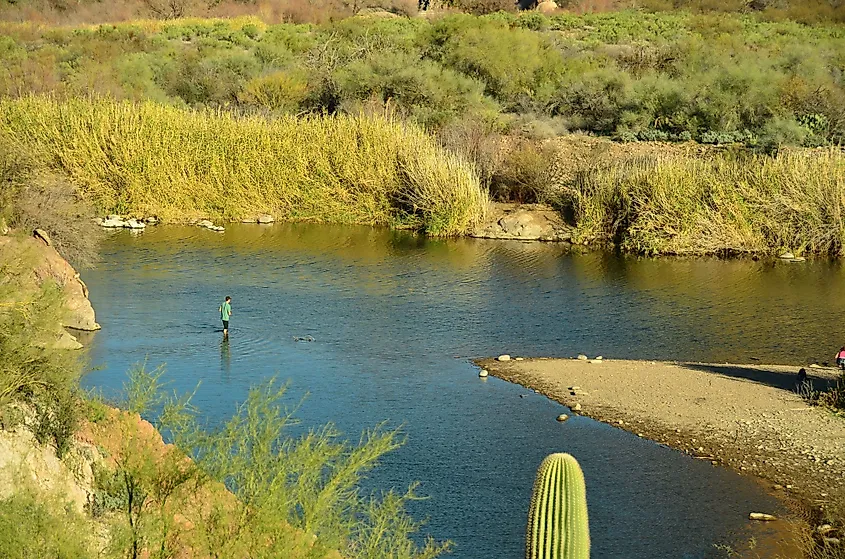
{"x":683,"y":204}
{"x":150,"y":159}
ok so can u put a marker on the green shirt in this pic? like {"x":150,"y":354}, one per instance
{"x":225,"y":311}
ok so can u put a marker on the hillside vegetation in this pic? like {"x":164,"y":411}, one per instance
{"x":631,"y":75}
{"x":320,"y":11}
{"x":726,"y":129}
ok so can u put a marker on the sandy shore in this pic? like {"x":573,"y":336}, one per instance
{"x":746,"y":417}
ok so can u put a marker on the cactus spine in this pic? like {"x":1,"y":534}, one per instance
{"x":557,"y":518}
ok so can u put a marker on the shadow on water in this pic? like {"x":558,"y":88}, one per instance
{"x":389,"y":311}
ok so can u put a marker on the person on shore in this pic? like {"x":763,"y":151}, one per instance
{"x":225,"y":313}
{"x":840,"y":358}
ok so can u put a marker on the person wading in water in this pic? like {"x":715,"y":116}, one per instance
{"x":225,"y":313}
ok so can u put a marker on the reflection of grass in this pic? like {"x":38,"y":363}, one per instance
{"x":151,"y":159}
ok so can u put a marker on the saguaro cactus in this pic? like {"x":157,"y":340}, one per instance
{"x":557,"y":519}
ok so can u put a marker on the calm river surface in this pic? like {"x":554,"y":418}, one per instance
{"x":396,"y":318}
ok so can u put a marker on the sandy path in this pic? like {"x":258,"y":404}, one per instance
{"x":744,"y":416}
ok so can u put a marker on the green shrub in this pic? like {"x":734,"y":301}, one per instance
{"x":294,"y":495}
{"x":35,"y":526}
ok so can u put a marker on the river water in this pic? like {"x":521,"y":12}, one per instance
{"x":396,"y":318}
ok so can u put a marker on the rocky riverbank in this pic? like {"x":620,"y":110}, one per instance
{"x":523,"y":222}
{"x":746,"y":417}
{"x":44,"y":264}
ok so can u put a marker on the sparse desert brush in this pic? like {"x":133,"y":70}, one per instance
{"x":150,"y":159}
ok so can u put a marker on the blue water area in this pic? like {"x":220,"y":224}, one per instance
{"x":396,"y":318}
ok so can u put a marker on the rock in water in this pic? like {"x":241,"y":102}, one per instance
{"x":504,"y":357}
{"x":582,"y":357}
{"x":41,"y":234}
{"x":113,"y":222}
{"x":787,"y":256}
{"x":598,"y":358}
{"x":761,"y":516}
{"x":266,"y":218}
{"x":482,"y":373}
{"x":135,"y":224}
{"x":562,"y":417}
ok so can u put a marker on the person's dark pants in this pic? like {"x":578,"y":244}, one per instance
{"x":225,"y":324}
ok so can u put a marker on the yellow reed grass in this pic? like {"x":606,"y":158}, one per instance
{"x":683,"y":204}
{"x":150,"y":159}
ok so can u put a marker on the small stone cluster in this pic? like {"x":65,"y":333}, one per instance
{"x":118,"y":222}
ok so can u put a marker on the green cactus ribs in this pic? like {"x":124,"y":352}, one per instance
{"x":557,"y":518}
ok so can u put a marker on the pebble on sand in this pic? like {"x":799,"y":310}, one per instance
{"x":504,"y":357}
{"x":582,"y":357}
{"x":761,"y":516}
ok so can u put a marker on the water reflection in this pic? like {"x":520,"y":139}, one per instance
{"x":225,"y":357}
{"x":390,"y":311}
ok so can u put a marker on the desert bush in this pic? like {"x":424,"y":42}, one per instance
{"x":523,"y":175}
{"x":703,"y":74}
{"x":35,"y":526}
{"x":49,"y":202}
{"x":479,"y":142}
{"x":280,"y":91}
{"x":296,"y":496}
{"x":33,"y":197}
{"x":834,"y":398}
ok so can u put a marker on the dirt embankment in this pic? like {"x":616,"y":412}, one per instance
{"x":746,"y":417}
{"x":43,"y":263}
